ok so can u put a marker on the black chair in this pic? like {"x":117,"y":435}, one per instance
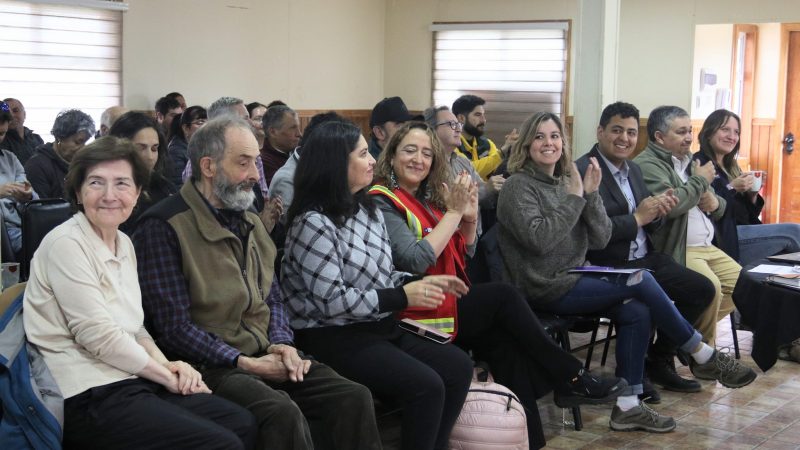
{"x":487,"y":266}
{"x":6,"y":250}
{"x":39,"y":217}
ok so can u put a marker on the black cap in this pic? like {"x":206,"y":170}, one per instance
{"x":390,"y":109}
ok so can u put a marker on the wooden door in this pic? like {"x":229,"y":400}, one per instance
{"x":790,"y":172}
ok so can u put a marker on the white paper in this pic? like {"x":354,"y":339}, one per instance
{"x":773,"y":269}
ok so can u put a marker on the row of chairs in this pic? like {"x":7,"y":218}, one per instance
{"x":38,"y":218}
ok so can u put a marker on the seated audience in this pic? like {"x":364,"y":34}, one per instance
{"x":182,"y":130}
{"x":47,"y":168}
{"x":143,"y":131}
{"x":14,"y":186}
{"x":687,"y":230}
{"x":256,"y":111}
{"x":166,"y":111}
{"x":282,"y":185}
{"x":634,"y":212}
{"x":177,"y":96}
{"x":739,"y":232}
{"x":282,"y":129}
{"x":109,"y":116}
{"x":21,"y":140}
{"x":386,"y":117}
{"x":548,"y":218}
{"x":482,"y":151}
{"x":83,"y":312}
{"x":206,"y":271}
{"x":342,"y":291}
{"x":431,"y":219}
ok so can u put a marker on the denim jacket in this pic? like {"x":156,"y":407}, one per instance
{"x":32,"y":404}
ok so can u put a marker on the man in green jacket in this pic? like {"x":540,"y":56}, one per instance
{"x":688,"y":230}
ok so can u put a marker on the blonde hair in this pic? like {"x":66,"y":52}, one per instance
{"x":431,"y":189}
{"x":520,"y":152}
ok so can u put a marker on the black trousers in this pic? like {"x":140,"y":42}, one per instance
{"x":691,"y":291}
{"x":343,"y":408}
{"x":496,"y":323}
{"x":429,"y":381}
{"x":140,"y":414}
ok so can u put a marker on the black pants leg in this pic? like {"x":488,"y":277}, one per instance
{"x":428,"y":380}
{"x":139,"y":414}
{"x":691,"y":291}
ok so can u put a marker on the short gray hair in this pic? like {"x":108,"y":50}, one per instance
{"x":72,"y":121}
{"x":273,"y":118}
{"x":209,"y":141}
{"x":430,"y":115}
{"x":223,"y":106}
{"x":661,"y":118}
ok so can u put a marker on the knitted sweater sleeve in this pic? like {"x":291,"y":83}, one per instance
{"x":598,"y":225}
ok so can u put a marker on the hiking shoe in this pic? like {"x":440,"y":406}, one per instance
{"x":662,"y":372}
{"x":650,"y":394}
{"x":586,"y":389}
{"x":725,"y":369}
{"x":640,"y":418}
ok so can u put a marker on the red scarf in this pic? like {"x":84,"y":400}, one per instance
{"x":451,"y":261}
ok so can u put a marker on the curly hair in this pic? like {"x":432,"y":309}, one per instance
{"x":72,"y":121}
{"x":432,"y":187}
{"x":520,"y":152}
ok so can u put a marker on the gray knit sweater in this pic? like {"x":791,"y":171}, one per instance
{"x":544,"y":231}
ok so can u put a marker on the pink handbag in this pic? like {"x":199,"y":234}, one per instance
{"x":492,"y":418}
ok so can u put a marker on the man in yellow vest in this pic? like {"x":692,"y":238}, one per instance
{"x":483,"y":153}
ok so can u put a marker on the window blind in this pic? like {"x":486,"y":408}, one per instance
{"x":60,"y":56}
{"x":518,"y":68}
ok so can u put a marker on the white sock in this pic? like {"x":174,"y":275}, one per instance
{"x":627,"y":402}
{"x":703,"y":354}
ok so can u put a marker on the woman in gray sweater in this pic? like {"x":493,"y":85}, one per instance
{"x":548,"y":218}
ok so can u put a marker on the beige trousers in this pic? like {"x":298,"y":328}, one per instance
{"x":723,"y":271}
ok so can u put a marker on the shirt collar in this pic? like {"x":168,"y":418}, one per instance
{"x":614,"y":169}
{"x":100,"y":247}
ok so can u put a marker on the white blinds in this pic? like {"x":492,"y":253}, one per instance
{"x":518,"y":68}
{"x":56,"y":57}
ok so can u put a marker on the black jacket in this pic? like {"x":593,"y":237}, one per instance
{"x":623,"y":224}
{"x":46,"y":171}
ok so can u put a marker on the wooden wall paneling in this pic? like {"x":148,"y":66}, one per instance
{"x":359,"y":116}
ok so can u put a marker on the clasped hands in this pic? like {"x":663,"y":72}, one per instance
{"x":186,"y":380}
{"x":281,"y":363}
{"x":20,"y":191}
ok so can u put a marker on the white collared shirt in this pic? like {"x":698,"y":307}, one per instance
{"x":638,"y":247}
{"x":700,"y":230}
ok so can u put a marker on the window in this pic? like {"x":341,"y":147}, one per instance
{"x":58,"y":56}
{"x":518,"y":68}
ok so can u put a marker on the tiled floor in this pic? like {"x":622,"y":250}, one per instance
{"x":764,"y":415}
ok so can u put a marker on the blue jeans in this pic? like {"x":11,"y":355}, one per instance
{"x":633,"y":309}
{"x":756,"y":242}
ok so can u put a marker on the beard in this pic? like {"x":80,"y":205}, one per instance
{"x":472,"y":130}
{"x":236,"y":197}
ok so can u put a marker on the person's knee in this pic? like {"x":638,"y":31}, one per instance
{"x":632,"y":313}
{"x":225,"y":439}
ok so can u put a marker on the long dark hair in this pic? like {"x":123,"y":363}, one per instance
{"x":131,"y":123}
{"x":320,"y":181}
{"x":191,"y":114}
{"x":714,"y":122}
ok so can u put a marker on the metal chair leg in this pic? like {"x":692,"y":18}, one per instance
{"x":735,"y":337}
{"x":607,"y":343}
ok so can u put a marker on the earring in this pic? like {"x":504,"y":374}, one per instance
{"x":393,"y":180}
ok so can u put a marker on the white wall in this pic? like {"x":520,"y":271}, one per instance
{"x":765,"y":102}
{"x":713,"y":46}
{"x":309,"y":53}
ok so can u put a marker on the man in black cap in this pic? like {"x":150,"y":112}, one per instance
{"x":386,"y":118}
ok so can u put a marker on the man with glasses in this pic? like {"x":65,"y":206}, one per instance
{"x":20,"y":140}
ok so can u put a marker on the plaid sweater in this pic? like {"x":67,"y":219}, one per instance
{"x":339,"y":275}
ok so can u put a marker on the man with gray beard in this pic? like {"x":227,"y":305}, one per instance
{"x":210,"y":298}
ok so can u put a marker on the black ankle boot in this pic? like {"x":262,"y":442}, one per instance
{"x":661,"y":371}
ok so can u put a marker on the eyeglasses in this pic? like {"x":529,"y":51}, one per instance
{"x":453,"y":124}
{"x":4,"y":107}
{"x":198,"y":122}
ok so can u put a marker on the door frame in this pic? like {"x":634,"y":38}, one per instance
{"x":773,"y":204}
